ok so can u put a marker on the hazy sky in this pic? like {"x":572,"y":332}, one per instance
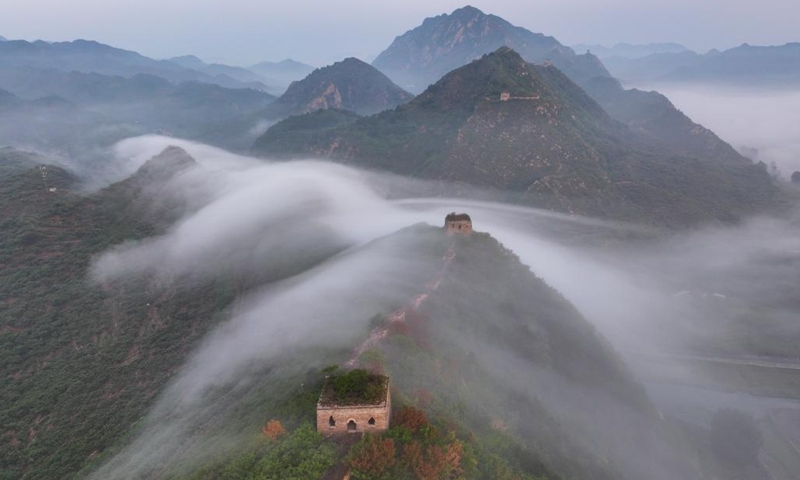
{"x":320,"y":32}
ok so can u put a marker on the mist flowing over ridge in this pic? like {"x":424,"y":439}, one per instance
{"x":482,"y":256}
{"x":356,"y":221}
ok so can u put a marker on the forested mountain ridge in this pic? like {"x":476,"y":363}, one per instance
{"x":81,"y":362}
{"x":76,"y":112}
{"x":501,"y":123}
{"x":454,"y":400}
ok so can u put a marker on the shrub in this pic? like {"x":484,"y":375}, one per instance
{"x":410,"y":418}
{"x":273,"y":429}
{"x":372,"y":457}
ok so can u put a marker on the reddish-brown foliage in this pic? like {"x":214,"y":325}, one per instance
{"x":410,"y":418}
{"x":434,"y":462}
{"x":273,"y":429}
{"x":372,"y":456}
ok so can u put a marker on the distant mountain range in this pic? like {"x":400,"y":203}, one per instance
{"x":282,"y":73}
{"x":745,"y":65}
{"x":347,"y":85}
{"x":503,"y":124}
{"x":3,"y":39}
{"x":628,"y":50}
{"x":423,"y":55}
{"x":241,"y":74}
{"x":75,"y":112}
{"x":93,"y":57}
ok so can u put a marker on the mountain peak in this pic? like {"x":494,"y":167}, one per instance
{"x":354,"y":62}
{"x":467,"y":10}
{"x":349,"y":84}
{"x":170,"y":161}
{"x":502,"y":74}
{"x":189,"y":61}
{"x":441,"y":44}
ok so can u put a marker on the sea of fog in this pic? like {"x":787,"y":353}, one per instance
{"x":251,"y":213}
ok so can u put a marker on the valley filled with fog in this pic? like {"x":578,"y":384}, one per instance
{"x":682,"y":308}
{"x":480,"y":255}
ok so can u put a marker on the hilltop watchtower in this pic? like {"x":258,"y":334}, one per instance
{"x":458,"y":224}
{"x":355,"y":402}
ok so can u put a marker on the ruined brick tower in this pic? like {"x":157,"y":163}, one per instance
{"x":340,"y":415}
{"x":458,"y":224}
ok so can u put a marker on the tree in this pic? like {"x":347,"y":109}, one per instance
{"x":434,"y":462}
{"x":273,"y":429}
{"x":372,"y":456}
{"x":410,"y":418}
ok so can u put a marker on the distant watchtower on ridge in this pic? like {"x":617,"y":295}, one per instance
{"x":458,"y":224}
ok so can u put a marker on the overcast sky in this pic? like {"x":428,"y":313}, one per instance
{"x":320,"y":32}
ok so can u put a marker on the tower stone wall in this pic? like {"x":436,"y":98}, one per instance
{"x":334,"y":419}
{"x":458,"y":224}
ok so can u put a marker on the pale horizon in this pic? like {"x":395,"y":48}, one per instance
{"x":242,"y":32}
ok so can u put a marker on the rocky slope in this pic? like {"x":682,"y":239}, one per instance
{"x":347,"y":85}
{"x":501,"y":123}
{"x":421,"y":56}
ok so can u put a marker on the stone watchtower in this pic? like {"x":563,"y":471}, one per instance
{"x":366,"y":408}
{"x":458,"y":224}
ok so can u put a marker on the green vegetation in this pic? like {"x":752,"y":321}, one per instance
{"x":83,"y":362}
{"x":454,"y":415}
{"x":552,"y":146}
{"x":356,"y":387}
{"x":313,"y":128}
{"x":302,"y":455}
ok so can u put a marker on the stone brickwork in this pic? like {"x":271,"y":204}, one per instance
{"x":334,"y":419}
{"x":458,"y":224}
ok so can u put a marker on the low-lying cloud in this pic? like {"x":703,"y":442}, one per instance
{"x":764,"y":120}
{"x":250,"y":215}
